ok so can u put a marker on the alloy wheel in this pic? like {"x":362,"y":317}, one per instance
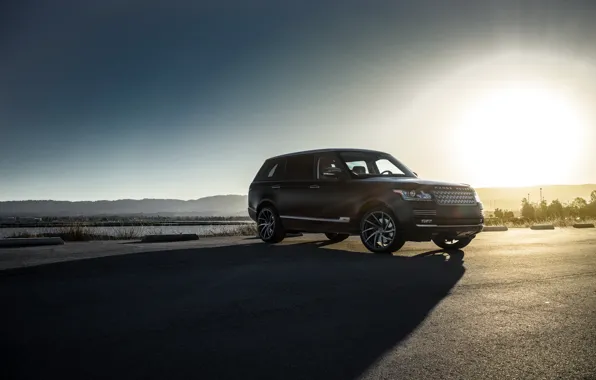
{"x":379,"y":230}
{"x":266,"y":224}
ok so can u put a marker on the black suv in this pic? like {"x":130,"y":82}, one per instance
{"x":341,"y":192}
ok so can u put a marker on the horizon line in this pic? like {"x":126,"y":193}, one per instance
{"x":244,"y":195}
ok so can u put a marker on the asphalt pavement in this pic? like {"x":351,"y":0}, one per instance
{"x":519,"y":304}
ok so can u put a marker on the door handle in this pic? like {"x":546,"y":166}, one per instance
{"x":275,"y":187}
{"x":314,"y":186}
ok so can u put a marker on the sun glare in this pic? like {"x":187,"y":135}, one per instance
{"x":519,"y":136}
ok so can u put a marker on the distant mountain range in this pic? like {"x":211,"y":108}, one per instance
{"x":219,"y":205}
{"x":235,"y":205}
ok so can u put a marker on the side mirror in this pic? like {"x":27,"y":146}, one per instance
{"x":332,"y":172}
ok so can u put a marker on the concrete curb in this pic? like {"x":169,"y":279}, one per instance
{"x":495,"y":228}
{"x":583,"y":225}
{"x":169,"y":238}
{"x":29,"y":242}
{"x":542,"y":227}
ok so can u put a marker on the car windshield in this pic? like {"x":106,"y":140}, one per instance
{"x":367,"y":164}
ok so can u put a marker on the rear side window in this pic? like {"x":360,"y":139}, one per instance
{"x":271,"y":170}
{"x":300,"y":168}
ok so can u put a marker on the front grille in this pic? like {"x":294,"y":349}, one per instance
{"x":454,"y":196}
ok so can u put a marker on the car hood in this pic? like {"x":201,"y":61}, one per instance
{"x":411,"y":182}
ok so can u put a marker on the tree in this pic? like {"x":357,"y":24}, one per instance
{"x":541,"y":210}
{"x":498,"y":213}
{"x":527,"y":210}
{"x":590,"y":209}
{"x":555,"y":209}
{"x":578,"y":207}
{"x":579,"y":203}
{"x":509,"y":215}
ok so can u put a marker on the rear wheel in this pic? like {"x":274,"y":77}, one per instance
{"x":336,"y":237}
{"x":450,"y":243}
{"x":379,"y":232}
{"x":269,"y":225}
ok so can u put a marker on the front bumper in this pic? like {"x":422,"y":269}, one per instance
{"x":421,"y":221}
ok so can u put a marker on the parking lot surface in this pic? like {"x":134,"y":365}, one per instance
{"x":516,"y":304}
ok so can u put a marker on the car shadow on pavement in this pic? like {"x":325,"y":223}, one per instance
{"x":251,"y":311}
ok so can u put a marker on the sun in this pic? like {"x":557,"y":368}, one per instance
{"x":519,"y":136}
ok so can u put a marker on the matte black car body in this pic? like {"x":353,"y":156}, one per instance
{"x":312,"y":203}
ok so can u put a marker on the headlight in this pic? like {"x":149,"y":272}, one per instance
{"x":414,"y":195}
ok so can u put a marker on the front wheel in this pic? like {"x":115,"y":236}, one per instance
{"x":336,"y":237}
{"x":449,"y":243}
{"x":379,"y":232}
{"x":269,"y":226}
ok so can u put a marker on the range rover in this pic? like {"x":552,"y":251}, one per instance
{"x":343,"y":192}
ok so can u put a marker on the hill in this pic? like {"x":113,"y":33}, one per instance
{"x":219,"y":205}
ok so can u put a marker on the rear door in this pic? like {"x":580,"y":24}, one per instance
{"x":295,"y":202}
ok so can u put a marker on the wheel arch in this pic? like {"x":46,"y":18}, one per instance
{"x":264,"y":203}
{"x":369,"y":205}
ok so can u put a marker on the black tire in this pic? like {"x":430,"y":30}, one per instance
{"x":381,"y":219}
{"x":269,"y":225}
{"x":447,"y":243}
{"x":335,"y":237}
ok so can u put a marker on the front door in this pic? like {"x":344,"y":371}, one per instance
{"x":328,"y":191}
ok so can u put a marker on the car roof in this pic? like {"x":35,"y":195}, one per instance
{"x":327,"y":150}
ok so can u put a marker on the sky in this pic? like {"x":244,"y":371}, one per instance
{"x":181,"y":99}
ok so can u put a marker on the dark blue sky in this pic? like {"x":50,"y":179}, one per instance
{"x":113,"y":99}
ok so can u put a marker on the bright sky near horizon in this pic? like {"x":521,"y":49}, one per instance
{"x":181,"y":99}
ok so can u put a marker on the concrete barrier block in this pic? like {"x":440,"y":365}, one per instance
{"x":495,"y":228}
{"x":29,"y":242}
{"x":169,"y":238}
{"x":542,"y":227}
{"x":583,"y":225}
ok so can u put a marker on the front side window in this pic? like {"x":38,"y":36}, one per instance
{"x":328,"y":167}
{"x":366,"y":164}
{"x":385,"y":166}
{"x":359,"y":167}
